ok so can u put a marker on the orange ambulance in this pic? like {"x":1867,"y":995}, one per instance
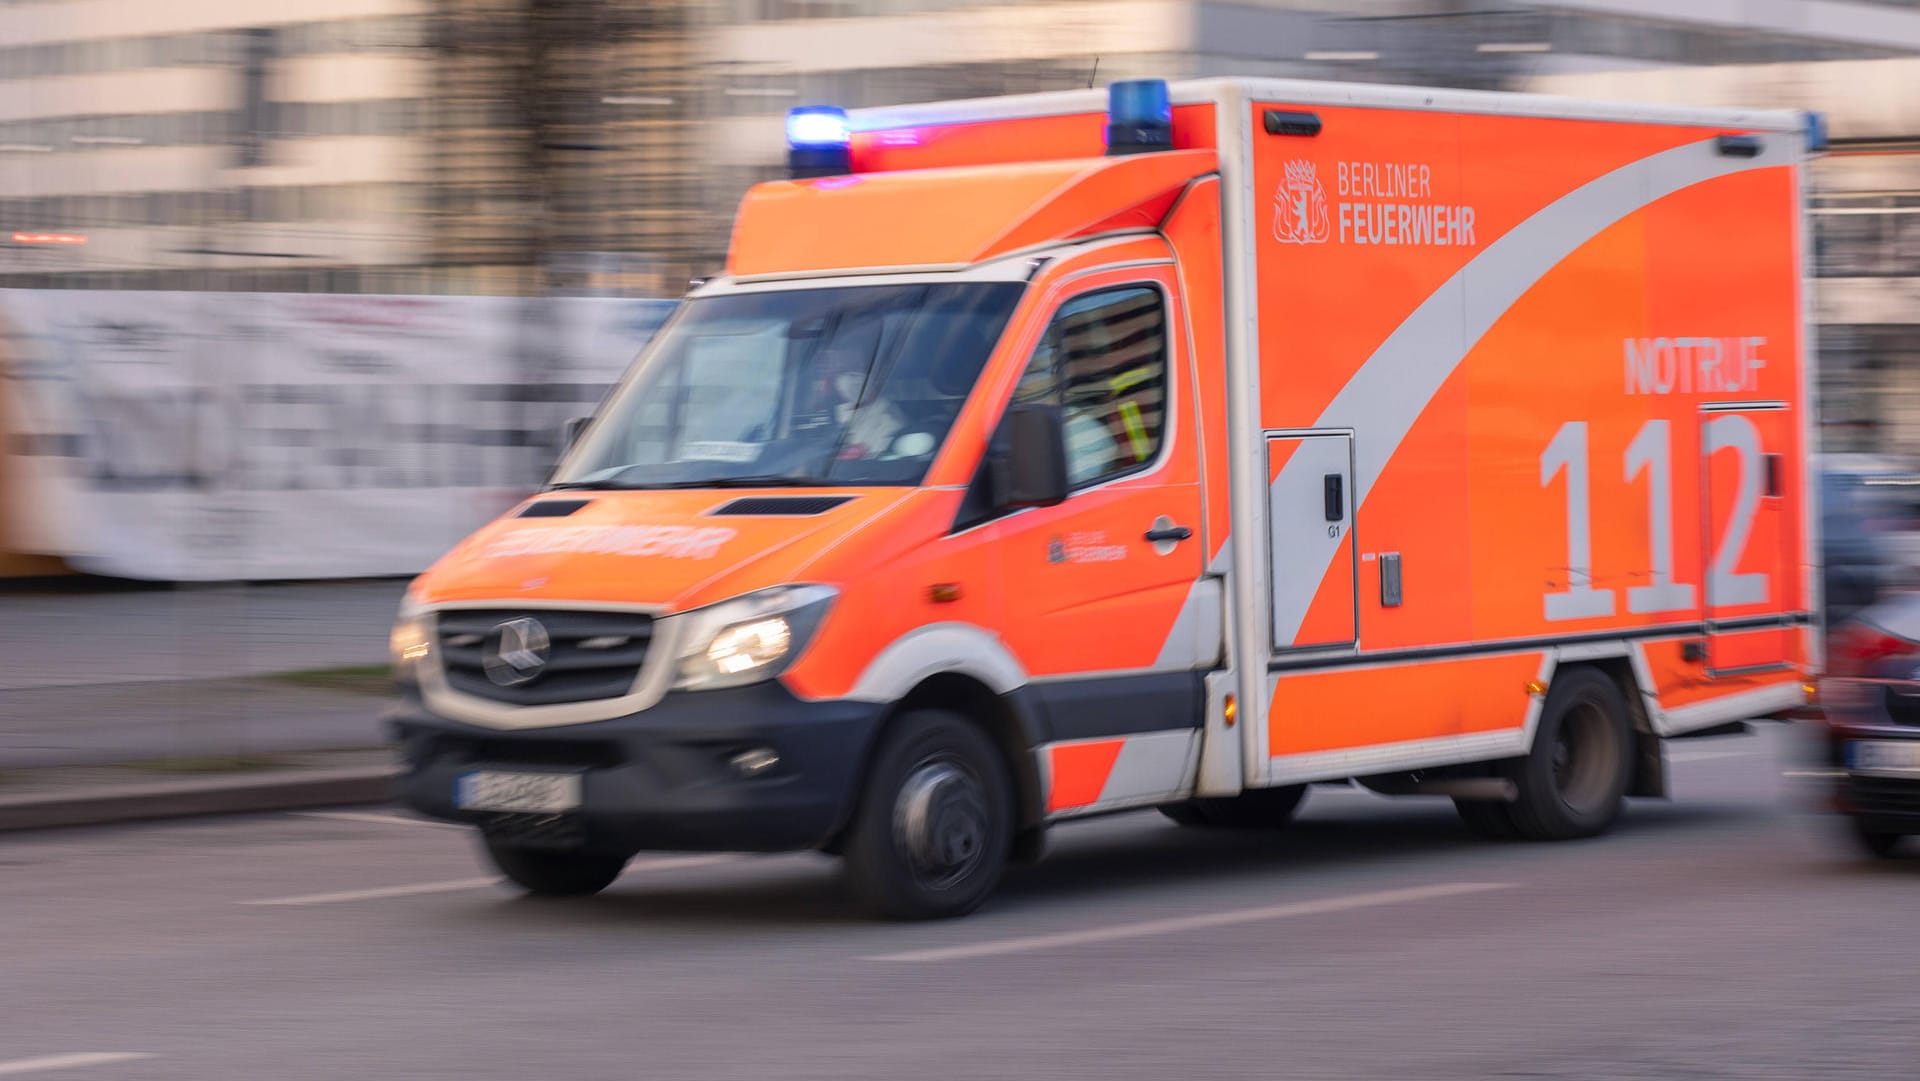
{"x":1178,"y":446}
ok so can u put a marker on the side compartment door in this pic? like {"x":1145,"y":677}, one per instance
{"x":1310,"y":518}
{"x":1748,"y":537}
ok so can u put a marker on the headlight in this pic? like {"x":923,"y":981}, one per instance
{"x":751,"y":638}
{"x":412,"y":638}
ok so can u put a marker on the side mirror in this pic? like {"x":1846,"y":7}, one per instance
{"x":570,"y":432}
{"x":1029,"y":458}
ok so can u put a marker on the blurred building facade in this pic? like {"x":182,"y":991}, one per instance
{"x":600,"y":146}
{"x":487,"y":146}
{"x":210,"y":143}
{"x":566,"y":152}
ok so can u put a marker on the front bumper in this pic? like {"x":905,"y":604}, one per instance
{"x":662,"y":779}
{"x":1882,"y":802}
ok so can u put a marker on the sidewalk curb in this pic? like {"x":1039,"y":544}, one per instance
{"x":105,"y":804}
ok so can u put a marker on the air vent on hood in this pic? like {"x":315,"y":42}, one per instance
{"x":799,"y":506}
{"x":553,"y":508}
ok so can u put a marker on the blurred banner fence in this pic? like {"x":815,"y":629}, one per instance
{"x":197,"y":437}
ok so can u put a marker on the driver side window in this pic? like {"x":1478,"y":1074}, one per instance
{"x":1103,"y":360}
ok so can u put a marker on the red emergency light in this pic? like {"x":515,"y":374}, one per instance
{"x":49,"y":238}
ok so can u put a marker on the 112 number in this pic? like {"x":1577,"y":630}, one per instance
{"x":1651,"y":453}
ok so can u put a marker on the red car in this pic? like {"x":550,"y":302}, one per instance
{"x":1871,"y":702}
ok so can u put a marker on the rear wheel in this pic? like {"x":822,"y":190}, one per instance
{"x":935,"y":824}
{"x":1259,"y":808}
{"x":1875,"y":842}
{"x":556,"y":872}
{"x":1574,"y":780}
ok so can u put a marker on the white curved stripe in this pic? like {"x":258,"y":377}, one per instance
{"x":1195,"y":639}
{"x":931,"y":650}
{"x":1152,"y":766}
{"x":1390,"y":391}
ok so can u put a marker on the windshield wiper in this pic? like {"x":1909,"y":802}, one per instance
{"x":766,"y":480}
{"x":600,"y":484}
{"x":762,"y":480}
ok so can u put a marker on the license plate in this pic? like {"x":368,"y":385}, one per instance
{"x":1884,"y":756}
{"x":532,"y":793}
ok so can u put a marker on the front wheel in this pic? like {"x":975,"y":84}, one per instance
{"x":935,"y":824}
{"x":555,"y":872}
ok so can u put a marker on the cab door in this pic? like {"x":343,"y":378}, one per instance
{"x":1097,"y":585}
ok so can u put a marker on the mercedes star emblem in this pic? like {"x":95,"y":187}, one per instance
{"x":516,"y":651}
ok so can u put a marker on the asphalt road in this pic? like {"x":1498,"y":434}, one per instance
{"x":1726,"y":934}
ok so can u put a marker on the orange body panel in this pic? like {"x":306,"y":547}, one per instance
{"x":1550,"y":435}
{"x":645,"y":548}
{"x":1369,"y":706}
{"x":1679,"y":682}
{"x":951,"y":217}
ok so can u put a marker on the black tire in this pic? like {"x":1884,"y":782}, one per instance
{"x":1255,"y":809}
{"x":1876,"y":843}
{"x":1488,"y":819}
{"x":556,"y":872}
{"x":935,"y":824}
{"x":1574,"y":781}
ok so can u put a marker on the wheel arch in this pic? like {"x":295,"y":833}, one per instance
{"x":1013,"y":720}
{"x":1649,"y":767}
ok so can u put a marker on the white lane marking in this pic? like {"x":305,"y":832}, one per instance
{"x":1813,"y":773}
{"x":454,"y":886}
{"x":386,"y":820}
{"x":460,"y":885}
{"x":1177,"y":924}
{"x":68,"y":1062}
{"x":1708,"y":756}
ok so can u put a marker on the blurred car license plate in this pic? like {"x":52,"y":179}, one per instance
{"x":1884,"y":756}
{"x":535,"y":793}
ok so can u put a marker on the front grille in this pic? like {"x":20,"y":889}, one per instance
{"x":527,"y":751}
{"x":1882,"y":795}
{"x":590,"y":655}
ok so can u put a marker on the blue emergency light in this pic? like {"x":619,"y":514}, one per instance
{"x":819,"y":142}
{"x":1816,"y":132}
{"x":1139,"y":117}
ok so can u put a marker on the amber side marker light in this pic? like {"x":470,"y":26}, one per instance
{"x":944,"y":592}
{"x":1535,"y":688}
{"x":1232,"y":710}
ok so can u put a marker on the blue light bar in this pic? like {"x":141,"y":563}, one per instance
{"x":1816,"y":132}
{"x":817,"y":126}
{"x":819,"y":142}
{"x":1139,"y":117}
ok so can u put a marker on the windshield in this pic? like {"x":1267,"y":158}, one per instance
{"x":846,"y":386}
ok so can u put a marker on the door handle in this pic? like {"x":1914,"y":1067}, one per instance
{"x":1169,"y":533}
